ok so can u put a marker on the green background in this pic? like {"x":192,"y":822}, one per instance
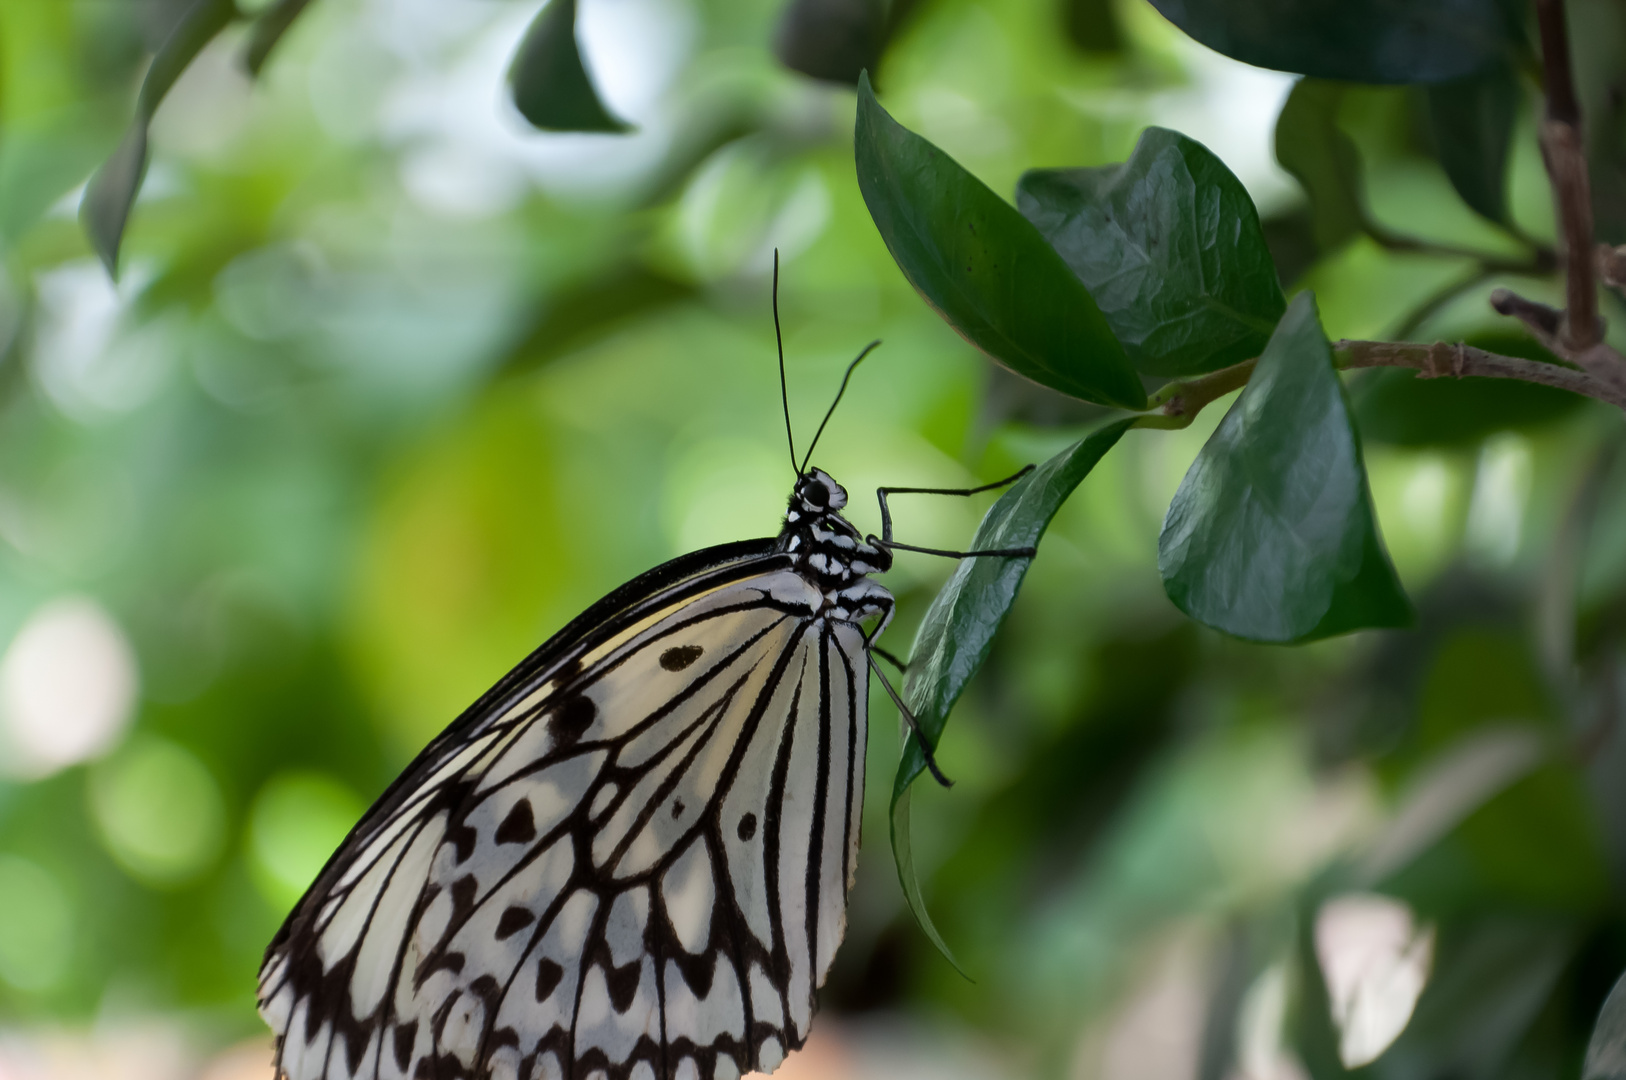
{"x":391,"y":386}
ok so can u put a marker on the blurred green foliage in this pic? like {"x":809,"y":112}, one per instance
{"x":391,"y":386}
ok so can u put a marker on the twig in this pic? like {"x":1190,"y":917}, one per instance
{"x":1549,"y":325}
{"x":1576,"y":333}
{"x":1563,"y":153}
{"x":1612,"y":267}
{"x":1176,"y":404}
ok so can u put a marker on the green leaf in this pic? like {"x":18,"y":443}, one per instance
{"x":1323,"y":159}
{"x":1366,"y":41}
{"x":1473,"y":131}
{"x":1169,"y":244}
{"x":268,"y":30}
{"x":549,"y":82}
{"x":112,"y":189}
{"x":959,"y":627}
{"x":1271,"y":536}
{"x":1606,"y":1052}
{"x":831,"y":40}
{"x":984,"y":267}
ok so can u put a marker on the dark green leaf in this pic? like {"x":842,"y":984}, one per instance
{"x":833,"y":40}
{"x":549,"y":82}
{"x":983,"y":267}
{"x":1366,"y":41}
{"x":268,"y":29}
{"x":1606,"y":1053}
{"x":1490,"y":979}
{"x":1395,"y":407}
{"x":1092,"y":26}
{"x":959,"y":627}
{"x":1473,"y":129}
{"x":1169,"y":244}
{"x":1311,"y":146}
{"x":1271,"y":536}
{"x":112,"y":188}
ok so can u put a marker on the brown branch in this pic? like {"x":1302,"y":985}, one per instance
{"x":1176,"y":404}
{"x":1564,"y":154}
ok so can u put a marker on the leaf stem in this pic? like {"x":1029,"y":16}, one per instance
{"x":1177,"y":403}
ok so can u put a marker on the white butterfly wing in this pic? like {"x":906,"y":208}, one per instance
{"x":630,"y":859}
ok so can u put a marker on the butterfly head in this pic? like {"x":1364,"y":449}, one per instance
{"x":823,"y":545}
{"x":818,"y":493}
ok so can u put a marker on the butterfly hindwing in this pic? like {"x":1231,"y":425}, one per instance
{"x":630,"y":859}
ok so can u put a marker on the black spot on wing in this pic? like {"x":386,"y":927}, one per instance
{"x":548,"y":975}
{"x":405,"y":1035}
{"x":748,"y":826}
{"x":571,"y":720}
{"x":519,"y":827}
{"x":679,"y":657}
{"x":513,"y":921}
{"x":622,"y":983}
{"x":463,"y":838}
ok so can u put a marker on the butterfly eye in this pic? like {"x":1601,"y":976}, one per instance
{"x":815,"y":496}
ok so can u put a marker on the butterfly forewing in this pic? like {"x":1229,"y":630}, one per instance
{"x":630,"y":859}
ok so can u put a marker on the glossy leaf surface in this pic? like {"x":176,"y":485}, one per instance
{"x":984,"y":267}
{"x":1368,"y":41}
{"x":1169,"y":244}
{"x":1270,"y":536}
{"x":113,"y":187}
{"x":959,"y":627}
{"x":549,"y":82}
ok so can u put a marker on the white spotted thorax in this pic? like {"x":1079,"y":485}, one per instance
{"x":827,"y":550}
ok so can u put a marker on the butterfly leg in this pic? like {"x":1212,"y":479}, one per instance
{"x":901,"y":665}
{"x":885,"y":539}
{"x":914,"y":725}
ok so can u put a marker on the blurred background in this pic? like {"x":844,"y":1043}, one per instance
{"x":391,"y":386}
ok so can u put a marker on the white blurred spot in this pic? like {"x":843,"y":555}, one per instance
{"x":472,"y":155}
{"x":1501,"y":486}
{"x":142,"y":1051}
{"x":36,"y":926}
{"x":1158,"y":1034}
{"x":1260,"y":1054}
{"x":1231,"y":108}
{"x":248,"y":1060}
{"x":1426,"y":498}
{"x":67,"y":687}
{"x":1376,"y":961}
{"x":89,"y":364}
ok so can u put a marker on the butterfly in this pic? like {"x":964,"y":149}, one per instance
{"x":630,"y":858}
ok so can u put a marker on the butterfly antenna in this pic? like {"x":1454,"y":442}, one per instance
{"x":779,"y":339}
{"x":871,"y":347}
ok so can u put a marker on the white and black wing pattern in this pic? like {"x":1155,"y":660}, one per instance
{"x":630,"y":859}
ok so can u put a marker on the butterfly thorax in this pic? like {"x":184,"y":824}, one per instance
{"x":831,"y":554}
